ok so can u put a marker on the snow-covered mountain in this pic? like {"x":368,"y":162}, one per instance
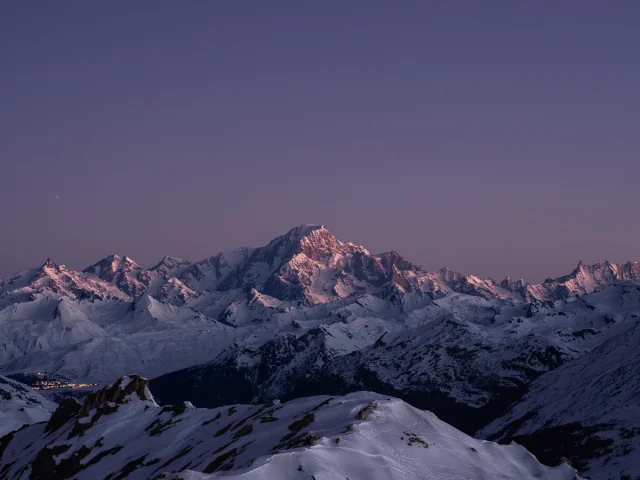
{"x":306,"y":265}
{"x":308,"y":314}
{"x":345,"y":316}
{"x":120,"y":433}
{"x":56,"y":280}
{"x":19,"y":405}
{"x":465,"y":358}
{"x":589,"y":409}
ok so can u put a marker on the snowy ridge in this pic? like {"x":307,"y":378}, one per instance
{"x":308,"y":314}
{"x":307,"y":264}
{"x":460,"y":356}
{"x":19,"y":405}
{"x":361,"y":435}
{"x":171,"y":266}
{"x":57,"y":281}
{"x":589,"y":408}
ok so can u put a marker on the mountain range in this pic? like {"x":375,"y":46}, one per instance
{"x":309,"y":315}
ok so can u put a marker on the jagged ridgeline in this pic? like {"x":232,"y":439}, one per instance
{"x":308,"y":314}
{"x":120,"y":432}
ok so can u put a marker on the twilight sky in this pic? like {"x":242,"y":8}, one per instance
{"x":496,"y":138}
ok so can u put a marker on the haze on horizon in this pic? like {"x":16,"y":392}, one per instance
{"x":495,"y":138}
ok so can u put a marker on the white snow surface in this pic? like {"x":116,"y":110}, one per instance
{"x":334,"y":441}
{"x":407,"y":326}
{"x":599,"y":393}
{"x":117,"y":317}
{"x":19,"y":405}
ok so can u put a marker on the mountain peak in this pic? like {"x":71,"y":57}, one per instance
{"x":111,"y":264}
{"x":315,"y":241}
{"x":126,"y":389}
{"x":111,"y":258}
{"x":301,"y":231}
{"x":49,"y":263}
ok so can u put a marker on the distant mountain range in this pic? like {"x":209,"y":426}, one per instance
{"x":308,"y":314}
{"x":307,"y":265}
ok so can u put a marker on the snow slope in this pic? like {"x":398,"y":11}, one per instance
{"x":309,"y":314}
{"x":150,"y":335}
{"x":307,"y":264}
{"x":19,"y":405}
{"x":589,"y":409}
{"x":121,"y":433}
{"x":465,"y":358}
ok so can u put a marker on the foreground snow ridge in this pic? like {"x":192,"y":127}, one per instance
{"x":120,"y":432}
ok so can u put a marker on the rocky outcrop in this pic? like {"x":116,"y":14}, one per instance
{"x":305,"y":438}
{"x":122,"y":272}
{"x":68,"y":409}
{"x":127,"y":388}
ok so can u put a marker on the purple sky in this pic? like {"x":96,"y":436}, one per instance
{"x":496,"y":138}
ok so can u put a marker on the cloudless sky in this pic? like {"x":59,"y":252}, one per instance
{"x":496,"y":138}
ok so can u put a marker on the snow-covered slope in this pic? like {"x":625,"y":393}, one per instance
{"x":19,"y":405}
{"x":120,"y":433}
{"x":135,"y":281}
{"x":309,"y":314}
{"x":108,"y":338}
{"x":171,"y":266}
{"x":56,"y":280}
{"x":465,"y":358}
{"x":305,"y":313}
{"x":307,"y":264}
{"x":589,"y":409}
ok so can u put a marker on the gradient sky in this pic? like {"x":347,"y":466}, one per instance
{"x":496,"y":137}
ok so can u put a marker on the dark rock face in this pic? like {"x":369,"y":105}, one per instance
{"x":116,"y":393}
{"x":275,"y":369}
{"x":68,"y":409}
{"x":45,"y":466}
{"x":105,"y":269}
{"x":469,"y":396}
{"x":192,"y":272}
{"x":218,"y":385}
{"x":382,"y":269}
{"x":472,"y":392}
{"x":535,"y":306}
{"x":288,"y":284}
{"x":575,"y":442}
{"x":169,"y":263}
{"x":4,"y":442}
{"x":47,"y":463}
{"x":107,"y":401}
